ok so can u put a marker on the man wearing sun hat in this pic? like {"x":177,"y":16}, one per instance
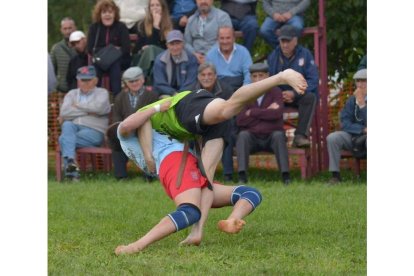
{"x":353,"y":127}
{"x":84,"y":114}
{"x":175,"y":69}
{"x":77,"y":41}
{"x":133,"y":97}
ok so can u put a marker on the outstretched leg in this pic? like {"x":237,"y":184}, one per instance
{"x":220,"y":110}
{"x":187,"y":213}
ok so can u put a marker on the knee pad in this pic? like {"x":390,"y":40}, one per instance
{"x":186,"y":214}
{"x":253,"y":196}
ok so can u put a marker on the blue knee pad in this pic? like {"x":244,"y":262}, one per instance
{"x":186,"y":214}
{"x":253,"y":196}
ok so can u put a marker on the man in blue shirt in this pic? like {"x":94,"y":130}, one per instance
{"x":291,"y":55}
{"x":232,"y":60}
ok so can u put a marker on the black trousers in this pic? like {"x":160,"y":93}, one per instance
{"x":306,"y":107}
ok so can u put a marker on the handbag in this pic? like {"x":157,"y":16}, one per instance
{"x":106,"y":56}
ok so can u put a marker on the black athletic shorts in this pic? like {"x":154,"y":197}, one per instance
{"x":190,"y":111}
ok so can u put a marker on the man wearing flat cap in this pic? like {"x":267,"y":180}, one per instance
{"x":84,"y":114}
{"x":289,"y":54}
{"x":261,"y":128}
{"x":175,"y":69}
{"x":353,"y":133}
{"x":133,"y":97}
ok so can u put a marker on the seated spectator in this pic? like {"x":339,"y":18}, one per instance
{"x":292,"y":55}
{"x":202,"y":28}
{"x":175,"y":68}
{"x":153,"y":29}
{"x":232,"y":60}
{"x":244,"y":19}
{"x":280,"y":13}
{"x":135,"y":96}
{"x":61,"y":54}
{"x":77,"y":40}
{"x":130,"y":12}
{"x":207,"y":79}
{"x":261,"y":128}
{"x":353,"y":125}
{"x":152,"y":33}
{"x":51,"y":76}
{"x":180,"y":11}
{"x":84,"y":114}
{"x":107,"y":29}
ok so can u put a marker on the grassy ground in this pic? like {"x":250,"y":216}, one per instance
{"x":308,"y":228}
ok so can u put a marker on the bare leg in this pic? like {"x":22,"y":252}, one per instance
{"x":196,"y":234}
{"x":164,"y":228}
{"x":234,"y":223}
{"x":210,"y":156}
{"x":220,"y":110}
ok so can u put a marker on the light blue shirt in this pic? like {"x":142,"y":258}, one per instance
{"x":237,"y":65}
{"x":162,"y":146}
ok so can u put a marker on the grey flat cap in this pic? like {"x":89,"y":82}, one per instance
{"x":288,"y":32}
{"x":132,"y":73}
{"x":361,"y":75}
{"x":259,"y":67}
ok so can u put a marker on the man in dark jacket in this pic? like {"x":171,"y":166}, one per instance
{"x":175,"y":69}
{"x":77,"y":41}
{"x":353,"y":125}
{"x":261,"y":128}
{"x":135,"y":96}
{"x":291,"y":55}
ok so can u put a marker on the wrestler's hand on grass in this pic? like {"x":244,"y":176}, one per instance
{"x":295,"y":80}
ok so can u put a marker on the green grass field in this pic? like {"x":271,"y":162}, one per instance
{"x":307,"y":228}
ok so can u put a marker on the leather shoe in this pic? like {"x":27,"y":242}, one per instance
{"x":286,"y":181}
{"x":228,"y":178}
{"x":334,"y":181}
{"x":301,"y":141}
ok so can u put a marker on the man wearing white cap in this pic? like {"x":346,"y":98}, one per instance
{"x":134,"y":96}
{"x":353,"y":133}
{"x":77,"y":41}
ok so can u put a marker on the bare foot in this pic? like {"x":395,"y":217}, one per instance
{"x":295,"y":79}
{"x":231,"y":226}
{"x":192,"y":239}
{"x":126,"y":249}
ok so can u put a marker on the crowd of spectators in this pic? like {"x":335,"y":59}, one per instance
{"x":190,"y":45}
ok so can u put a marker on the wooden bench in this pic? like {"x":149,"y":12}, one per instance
{"x":356,"y":167}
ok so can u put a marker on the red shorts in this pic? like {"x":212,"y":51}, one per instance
{"x":192,"y":177}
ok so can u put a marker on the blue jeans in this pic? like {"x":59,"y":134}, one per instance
{"x":75,"y":136}
{"x":269,"y":27}
{"x":249,"y":26}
